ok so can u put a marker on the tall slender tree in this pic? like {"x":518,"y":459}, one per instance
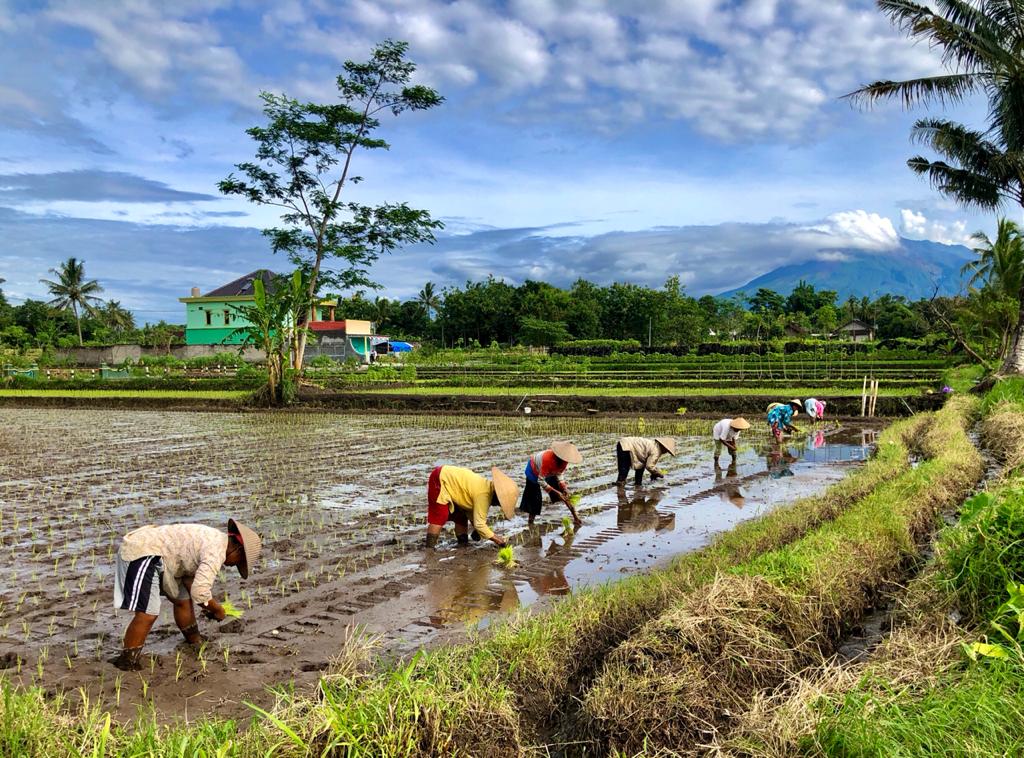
{"x":429,"y":299}
{"x":304,"y":162}
{"x":982,"y":48}
{"x":72,"y":291}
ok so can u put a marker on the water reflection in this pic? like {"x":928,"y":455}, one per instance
{"x":728,"y":487}
{"x":639,"y":512}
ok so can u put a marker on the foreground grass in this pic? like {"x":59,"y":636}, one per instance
{"x":679,"y":680}
{"x":920,"y":693}
{"x":152,"y":394}
{"x":502,"y":691}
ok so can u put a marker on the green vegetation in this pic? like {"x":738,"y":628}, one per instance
{"x":119,"y":393}
{"x":636,"y":391}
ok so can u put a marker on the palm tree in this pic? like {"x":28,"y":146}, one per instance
{"x":116,"y":317}
{"x":71,"y":291}
{"x":381,"y":312}
{"x":981,"y":43}
{"x":1000,"y":263}
{"x":428,"y":299}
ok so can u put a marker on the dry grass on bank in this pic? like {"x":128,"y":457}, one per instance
{"x":682,"y":679}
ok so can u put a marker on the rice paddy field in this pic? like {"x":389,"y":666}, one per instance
{"x":340,"y":503}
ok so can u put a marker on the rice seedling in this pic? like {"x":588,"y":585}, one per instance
{"x":230,"y":610}
{"x":506,"y":557}
{"x":567,"y":527}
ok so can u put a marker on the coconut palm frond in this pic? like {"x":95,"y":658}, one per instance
{"x":968,"y":187}
{"x":944,"y":89}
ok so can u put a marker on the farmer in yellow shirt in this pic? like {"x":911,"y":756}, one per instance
{"x":458,"y":494}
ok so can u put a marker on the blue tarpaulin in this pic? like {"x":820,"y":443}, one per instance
{"x":400,"y":347}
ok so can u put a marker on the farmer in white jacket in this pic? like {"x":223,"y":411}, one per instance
{"x":641,"y":454}
{"x":725,"y":434}
{"x":180,"y":562}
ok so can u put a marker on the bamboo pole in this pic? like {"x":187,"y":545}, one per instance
{"x":863,"y":396}
{"x":874,"y":397}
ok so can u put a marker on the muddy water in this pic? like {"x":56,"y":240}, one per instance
{"x":340,"y":504}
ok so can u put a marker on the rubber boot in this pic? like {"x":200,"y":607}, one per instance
{"x":129,"y":659}
{"x":463,"y":539}
{"x":432,"y":540}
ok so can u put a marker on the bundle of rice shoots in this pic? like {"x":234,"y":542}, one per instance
{"x":230,"y":611}
{"x":506,"y":557}
{"x":575,"y":499}
{"x":567,"y":525}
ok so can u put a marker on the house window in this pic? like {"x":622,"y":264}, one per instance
{"x":227,"y":317}
{"x":209,"y":318}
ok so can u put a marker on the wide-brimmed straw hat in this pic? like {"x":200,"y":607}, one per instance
{"x":797,"y":403}
{"x":669,"y":443}
{"x":566,"y":451}
{"x":739,"y":423}
{"x":251,"y":545}
{"x":506,"y":490}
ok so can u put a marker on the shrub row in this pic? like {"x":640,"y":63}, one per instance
{"x":249,"y":382}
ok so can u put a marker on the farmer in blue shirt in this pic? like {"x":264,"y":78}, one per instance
{"x":780,"y":417}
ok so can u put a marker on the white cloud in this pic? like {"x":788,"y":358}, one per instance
{"x":916,"y":225}
{"x":860,"y":229}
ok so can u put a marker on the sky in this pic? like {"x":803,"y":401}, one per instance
{"x":623,"y":140}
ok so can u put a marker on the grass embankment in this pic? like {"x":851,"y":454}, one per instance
{"x":920,"y":693}
{"x":502,"y":692}
{"x":678,"y":682}
{"x":116,"y":393}
{"x":625,"y":390}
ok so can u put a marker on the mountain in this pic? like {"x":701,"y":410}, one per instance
{"x":913,"y":269}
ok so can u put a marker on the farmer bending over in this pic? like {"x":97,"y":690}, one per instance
{"x":455,"y":494}
{"x":815,"y":408}
{"x":179,"y":561}
{"x":641,"y":454}
{"x":780,"y":417}
{"x":544,"y":470}
{"x":725,"y":434}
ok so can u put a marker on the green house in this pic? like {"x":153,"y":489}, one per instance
{"x":213,"y":318}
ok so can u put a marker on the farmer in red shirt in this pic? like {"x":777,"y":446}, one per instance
{"x":544,"y":470}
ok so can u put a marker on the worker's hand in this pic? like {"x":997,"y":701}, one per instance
{"x":213,"y":610}
{"x":657,"y":475}
{"x":498,"y":540}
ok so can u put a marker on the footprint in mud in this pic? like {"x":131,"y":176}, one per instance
{"x":9,"y":661}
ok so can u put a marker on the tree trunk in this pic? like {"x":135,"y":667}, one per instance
{"x":1014,"y":362}
{"x":78,"y":322}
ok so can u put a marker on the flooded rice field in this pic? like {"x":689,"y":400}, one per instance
{"x":340,"y":503}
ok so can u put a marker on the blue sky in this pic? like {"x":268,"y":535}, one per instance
{"x":624,"y":140}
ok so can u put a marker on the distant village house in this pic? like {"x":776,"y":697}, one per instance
{"x":856,"y":331}
{"x":214,"y":319}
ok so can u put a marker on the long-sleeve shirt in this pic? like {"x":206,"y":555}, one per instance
{"x":643,"y":452}
{"x":543,"y":464}
{"x":780,"y":416}
{"x":462,"y":488}
{"x":186,"y":550}
{"x":723,"y":431}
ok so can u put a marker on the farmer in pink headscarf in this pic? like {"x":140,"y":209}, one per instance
{"x":814,"y":408}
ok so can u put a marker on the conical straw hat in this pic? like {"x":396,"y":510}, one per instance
{"x":506,"y":490}
{"x":669,"y":443}
{"x":566,"y":451}
{"x":739,"y":423}
{"x":251,"y":545}
{"x":797,"y":403}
